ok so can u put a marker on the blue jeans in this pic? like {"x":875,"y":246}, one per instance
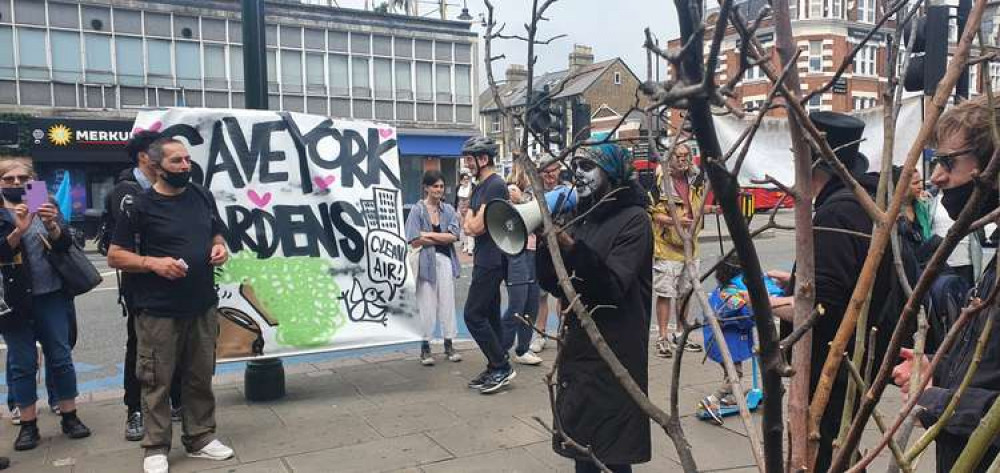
{"x":522,"y":299}
{"x":50,"y":326}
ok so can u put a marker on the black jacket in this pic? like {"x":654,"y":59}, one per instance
{"x":119,"y":200}
{"x":839,"y":258}
{"x":14,"y":267}
{"x":612,"y":258}
{"x":982,"y":390}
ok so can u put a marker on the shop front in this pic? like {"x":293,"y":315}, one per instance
{"x":423,"y":150}
{"x":90,"y":152}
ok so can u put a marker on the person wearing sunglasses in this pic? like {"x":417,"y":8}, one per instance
{"x":610,"y":252}
{"x":42,"y":312}
{"x":964,"y":147}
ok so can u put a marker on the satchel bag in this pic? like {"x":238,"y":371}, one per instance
{"x":78,"y":274}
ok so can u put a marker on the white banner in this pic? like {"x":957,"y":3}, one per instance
{"x":313,"y":217}
{"x":770,"y":153}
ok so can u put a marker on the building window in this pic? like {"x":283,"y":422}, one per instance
{"x":425,"y":82}
{"x":837,"y":9}
{"x":866,"y":11}
{"x":995,"y":75}
{"x":160,"y":65}
{"x":864,"y":62}
{"x":6,"y":53}
{"x":383,"y":78}
{"x":495,"y":123}
{"x":291,"y":70}
{"x":752,"y":105}
{"x":444,"y":83}
{"x":215,"y":67}
{"x":66,"y":56}
{"x":463,"y":84}
{"x":272,"y":73}
{"x":815,"y":56}
{"x":360,"y":83}
{"x":816,"y":8}
{"x":188,"y":64}
{"x":815,"y":102}
{"x":32,"y":64}
{"x":128,"y":52}
{"x":98,"y":58}
{"x":753,"y":73}
{"x":340,"y":83}
{"x":236,"y":66}
{"x":404,"y":81}
{"x":337,"y":41}
{"x":315,"y":73}
{"x":862,"y":103}
{"x":618,"y":78}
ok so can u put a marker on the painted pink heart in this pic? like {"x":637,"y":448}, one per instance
{"x":323,"y":182}
{"x":385,"y":132}
{"x":259,"y":200}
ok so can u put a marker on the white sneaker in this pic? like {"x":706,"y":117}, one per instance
{"x":537,"y":344}
{"x":15,"y":416}
{"x":155,"y":464}
{"x":528,"y":358}
{"x":215,"y":450}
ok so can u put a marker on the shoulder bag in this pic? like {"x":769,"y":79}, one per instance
{"x":78,"y":274}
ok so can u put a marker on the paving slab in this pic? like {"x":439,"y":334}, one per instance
{"x":377,"y":456}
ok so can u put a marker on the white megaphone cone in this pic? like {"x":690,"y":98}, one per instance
{"x":509,"y":225}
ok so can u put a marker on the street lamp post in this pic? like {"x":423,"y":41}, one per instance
{"x":264,"y":380}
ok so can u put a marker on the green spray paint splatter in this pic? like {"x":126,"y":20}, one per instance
{"x":297,"y":291}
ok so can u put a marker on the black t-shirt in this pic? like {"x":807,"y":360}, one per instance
{"x":487,"y":255}
{"x":182,"y":227}
{"x":443,"y":249}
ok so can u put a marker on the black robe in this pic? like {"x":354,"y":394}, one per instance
{"x":612,"y":258}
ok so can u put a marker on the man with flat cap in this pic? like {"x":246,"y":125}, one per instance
{"x":839,"y":258}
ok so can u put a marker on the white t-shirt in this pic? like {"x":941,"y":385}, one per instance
{"x":940,"y":223}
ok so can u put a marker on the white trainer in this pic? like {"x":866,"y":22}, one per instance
{"x":215,"y":450}
{"x":537,"y":344}
{"x":528,"y":358}
{"x":155,"y":464}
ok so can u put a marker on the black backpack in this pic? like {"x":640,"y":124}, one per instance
{"x":107,"y":228}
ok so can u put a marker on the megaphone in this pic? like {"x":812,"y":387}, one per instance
{"x":510,"y":225}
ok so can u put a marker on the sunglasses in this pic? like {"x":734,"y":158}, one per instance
{"x":947,"y":160}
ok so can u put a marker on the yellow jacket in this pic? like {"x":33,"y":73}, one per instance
{"x":667,"y":244}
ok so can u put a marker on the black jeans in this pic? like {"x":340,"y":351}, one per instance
{"x":133,"y":388}
{"x":482,"y":314}
{"x":586,"y":466}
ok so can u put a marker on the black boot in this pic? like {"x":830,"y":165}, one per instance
{"x":73,"y":427}
{"x":449,"y":351}
{"x":425,"y":354}
{"x":4,"y":463}
{"x":28,"y":437}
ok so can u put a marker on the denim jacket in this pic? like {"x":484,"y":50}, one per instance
{"x":420,"y":221}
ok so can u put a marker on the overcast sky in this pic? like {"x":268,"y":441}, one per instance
{"x":612,"y":27}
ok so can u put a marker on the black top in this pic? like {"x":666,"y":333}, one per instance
{"x":486,"y":253}
{"x":182,"y":227}
{"x":119,"y":202}
{"x":442,"y":249}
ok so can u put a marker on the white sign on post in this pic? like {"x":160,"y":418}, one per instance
{"x":313,"y":220}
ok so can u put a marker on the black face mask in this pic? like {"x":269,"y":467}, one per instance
{"x":13,"y":195}
{"x":177,"y":180}
{"x":954,"y":200}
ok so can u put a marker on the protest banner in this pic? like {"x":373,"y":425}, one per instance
{"x":313,"y":220}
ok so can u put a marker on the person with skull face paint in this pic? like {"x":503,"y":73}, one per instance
{"x":180,"y":242}
{"x":610,"y":251}
{"x":964,"y":147}
{"x":482,"y":307}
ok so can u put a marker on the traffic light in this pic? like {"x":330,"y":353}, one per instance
{"x":545,"y":118}
{"x":929,"y":59}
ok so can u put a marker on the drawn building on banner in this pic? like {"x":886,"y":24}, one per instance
{"x":380,"y":212}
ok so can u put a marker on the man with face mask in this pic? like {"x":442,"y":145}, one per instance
{"x":180,"y":241}
{"x":964,"y":147}
{"x":610,"y":251}
{"x":839,"y":258}
{"x":482,"y":307}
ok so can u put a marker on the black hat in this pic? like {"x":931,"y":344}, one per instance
{"x":841,"y":129}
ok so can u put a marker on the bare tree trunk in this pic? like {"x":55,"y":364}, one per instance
{"x":805,"y":268}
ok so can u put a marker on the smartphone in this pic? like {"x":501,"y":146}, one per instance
{"x":36,"y":194}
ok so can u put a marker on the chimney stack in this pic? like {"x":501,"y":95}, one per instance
{"x":516,"y":73}
{"x":582,"y":55}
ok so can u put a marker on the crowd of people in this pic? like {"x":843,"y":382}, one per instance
{"x":629,"y":247}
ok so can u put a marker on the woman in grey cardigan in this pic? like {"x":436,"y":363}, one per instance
{"x":433,"y":227}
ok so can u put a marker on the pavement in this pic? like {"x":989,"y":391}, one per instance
{"x":379,"y":410}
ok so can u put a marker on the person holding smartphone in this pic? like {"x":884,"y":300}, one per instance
{"x":42,"y":312}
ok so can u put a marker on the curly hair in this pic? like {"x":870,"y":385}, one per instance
{"x":970,"y":119}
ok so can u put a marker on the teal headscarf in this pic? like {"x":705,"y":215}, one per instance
{"x":613,"y":159}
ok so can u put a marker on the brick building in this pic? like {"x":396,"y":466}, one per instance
{"x":607,"y":87}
